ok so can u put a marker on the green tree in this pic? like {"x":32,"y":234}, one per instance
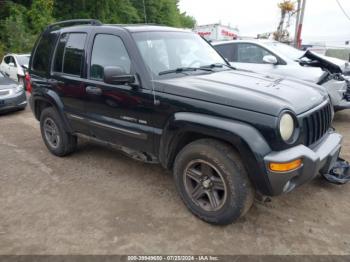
{"x":15,"y":33}
{"x":40,"y":15}
{"x":22,"y":20}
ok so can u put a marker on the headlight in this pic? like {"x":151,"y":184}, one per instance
{"x":286,"y":126}
{"x":18,"y":89}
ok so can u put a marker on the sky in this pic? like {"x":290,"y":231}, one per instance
{"x":323,"y":19}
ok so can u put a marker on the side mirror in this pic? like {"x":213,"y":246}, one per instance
{"x":116,"y":75}
{"x":12,"y":64}
{"x":270,"y":59}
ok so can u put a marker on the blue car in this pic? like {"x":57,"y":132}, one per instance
{"x":12,"y":94}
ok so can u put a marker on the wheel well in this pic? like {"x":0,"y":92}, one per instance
{"x":188,"y":138}
{"x":39,"y":107}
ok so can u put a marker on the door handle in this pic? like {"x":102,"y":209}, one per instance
{"x":93,"y":90}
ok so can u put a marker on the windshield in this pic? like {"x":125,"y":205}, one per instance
{"x":286,"y":50}
{"x":23,"y":59}
{"x":164,"y":51}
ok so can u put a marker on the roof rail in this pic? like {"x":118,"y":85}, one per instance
{"x":72,"y":22}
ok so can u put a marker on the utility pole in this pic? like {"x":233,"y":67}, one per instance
{"x":144,"y":11}
{"x":297,"y":25}
{"x":300,"y":25}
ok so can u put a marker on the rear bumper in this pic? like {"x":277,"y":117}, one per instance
{"x":13,"y":103}
{"x":314,"y":161}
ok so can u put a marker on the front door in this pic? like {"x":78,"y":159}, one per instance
{"x":250,"y":56}
{"x":121,"y":113}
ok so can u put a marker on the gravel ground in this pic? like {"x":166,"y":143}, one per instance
{"x":98,"y":201}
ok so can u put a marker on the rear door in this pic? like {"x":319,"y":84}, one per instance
{"x":67,"y":76}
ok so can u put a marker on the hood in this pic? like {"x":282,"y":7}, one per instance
{"x":331,"y":64}
{"x":246,"y":90}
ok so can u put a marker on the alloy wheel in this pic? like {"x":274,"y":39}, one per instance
{"x":205,"y":185}
{"x":51,"y":133}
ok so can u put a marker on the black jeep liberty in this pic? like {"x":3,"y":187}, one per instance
{"x":164,"y":95}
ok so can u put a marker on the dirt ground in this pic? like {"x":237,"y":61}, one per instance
{"x":98,"y":201}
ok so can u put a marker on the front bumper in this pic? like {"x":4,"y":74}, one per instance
{"x":13,"y":102}
{"x":319,"y":159}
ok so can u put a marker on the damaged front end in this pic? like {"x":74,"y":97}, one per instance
{"x":333,"y":79}
{"x":329,"y":64}
{"x":338,"y":87}
{"x":340,"y":173}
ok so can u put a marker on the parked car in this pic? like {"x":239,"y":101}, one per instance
{"x":164,"y":95}
{"x":271,"y":57}
{"x":12,"y":95}
{"x":14,"y":66}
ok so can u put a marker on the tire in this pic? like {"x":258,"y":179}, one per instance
{"x":213,"y":201}
{"x":65,"y":143}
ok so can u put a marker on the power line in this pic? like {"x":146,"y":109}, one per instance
{"x":341,"y":7}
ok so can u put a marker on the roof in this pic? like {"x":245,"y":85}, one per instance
{"x":149,"y":28}
{"x":244,"y":41}
{"x":129,"y":27}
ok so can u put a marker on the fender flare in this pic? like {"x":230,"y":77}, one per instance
{"x":53,"y":99}
{"x":248,"y":141}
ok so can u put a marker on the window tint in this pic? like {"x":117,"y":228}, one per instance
{"x":226,"y":51}
{"x":7,"y":59}
{"x":69,"y":57}
{"x":43,"y":51}
{"x":108,"y":50}
{"x":58,"y":62}
{"x":250,"y":53}
{"x":74,"y":54}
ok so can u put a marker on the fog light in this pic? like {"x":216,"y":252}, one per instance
{"x":287,"y":166}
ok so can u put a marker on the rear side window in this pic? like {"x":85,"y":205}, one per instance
{"x":226,"y":51}
{"x":41,"y":59}
{"x":69,"y":57}
{"x":108,"y":50}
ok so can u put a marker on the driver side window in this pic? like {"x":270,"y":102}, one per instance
{"x":108,"y":50}
{"x":250,"y":53}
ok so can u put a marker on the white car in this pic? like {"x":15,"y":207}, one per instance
{"x":271,"y":57}
{"x":14,"y":65}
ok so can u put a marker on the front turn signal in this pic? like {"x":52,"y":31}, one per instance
{"x":285,"y":167}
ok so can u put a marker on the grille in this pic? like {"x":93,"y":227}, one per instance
{"x":317,"y":124}
{"x":4,"y":92}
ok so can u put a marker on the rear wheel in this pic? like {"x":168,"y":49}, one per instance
{"x":57,"y":140}
{"x":212,"y":181}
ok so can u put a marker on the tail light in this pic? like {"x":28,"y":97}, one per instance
{"x":28,"y":83}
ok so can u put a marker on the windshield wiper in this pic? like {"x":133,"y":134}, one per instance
{"x":183,"y":69}
{"x":218,"y":65}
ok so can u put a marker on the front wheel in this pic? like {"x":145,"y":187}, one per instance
{"x":212,"y":181}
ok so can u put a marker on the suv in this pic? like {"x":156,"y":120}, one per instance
{"x":164,"y":95}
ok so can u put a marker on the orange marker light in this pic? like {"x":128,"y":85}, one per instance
{"x":284,"y":167}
